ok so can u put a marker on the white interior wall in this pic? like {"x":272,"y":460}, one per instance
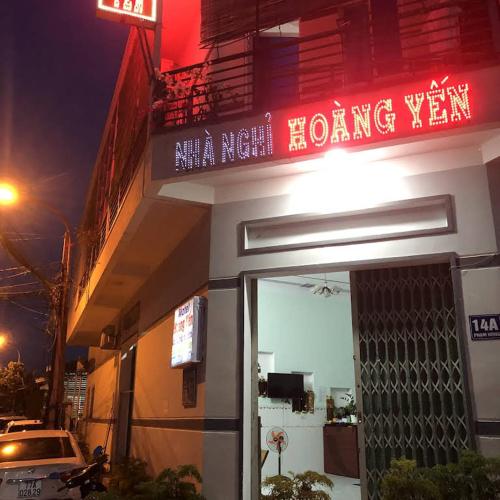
{"x":305,"y":333}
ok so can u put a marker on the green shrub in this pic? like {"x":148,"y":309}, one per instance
{"x":126,"y":475}
{"x":171,"y":484}
{"x":474,"y":477}
{"x":404,"y":480}
{"x":297,"y":487}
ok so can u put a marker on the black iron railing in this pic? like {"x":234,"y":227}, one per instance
{"x":123,"y":145}
{"x":361,"y":50}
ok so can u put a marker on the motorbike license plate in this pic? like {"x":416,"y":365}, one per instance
{"x":29,"y":489}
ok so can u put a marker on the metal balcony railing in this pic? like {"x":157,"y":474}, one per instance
{"x":112,"y":209}
{"x":426,"y":36}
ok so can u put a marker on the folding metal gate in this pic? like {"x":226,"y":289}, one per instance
{"x":410,"y":367}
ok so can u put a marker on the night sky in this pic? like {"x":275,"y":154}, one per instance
{"x":58,"y":67}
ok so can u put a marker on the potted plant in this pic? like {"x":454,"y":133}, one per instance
{"x":297,"y":486}
{"x":350,"y":407}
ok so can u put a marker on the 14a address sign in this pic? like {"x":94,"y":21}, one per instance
{"x":485,"y":327}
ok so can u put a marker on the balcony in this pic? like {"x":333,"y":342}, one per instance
{"x":119,"y":158}
{"x":362,"y":51}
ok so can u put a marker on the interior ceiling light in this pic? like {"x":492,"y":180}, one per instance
{"x":325,"y":290}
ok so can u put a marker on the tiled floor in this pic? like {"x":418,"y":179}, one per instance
{"x":345,"y":488}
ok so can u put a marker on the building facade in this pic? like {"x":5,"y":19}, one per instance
{"x":75,"y":389}
{"x":351,"y":145}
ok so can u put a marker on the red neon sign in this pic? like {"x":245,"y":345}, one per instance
{"x":385,"y":114}
{"x":139,"y":10}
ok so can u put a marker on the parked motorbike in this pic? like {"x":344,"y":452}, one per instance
{"x":88,"y":480}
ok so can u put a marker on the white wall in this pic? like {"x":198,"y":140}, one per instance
{"x":306,"y":333}
{"x":481,"y":290}
{"x":469,"y":186}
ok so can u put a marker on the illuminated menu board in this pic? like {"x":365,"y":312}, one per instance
{"x":189,"y":324}
{"x":130,"y":10}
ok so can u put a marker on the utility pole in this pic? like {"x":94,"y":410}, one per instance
{"x":54,"y":413}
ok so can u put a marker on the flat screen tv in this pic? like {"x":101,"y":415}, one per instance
{"x":285,"y":385}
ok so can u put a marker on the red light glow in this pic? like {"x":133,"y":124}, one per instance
{"x":381,"y":116}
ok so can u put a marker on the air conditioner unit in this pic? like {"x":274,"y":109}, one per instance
{"x":109,"y":338}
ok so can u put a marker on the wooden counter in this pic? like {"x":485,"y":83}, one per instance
{"x":340,"y":448}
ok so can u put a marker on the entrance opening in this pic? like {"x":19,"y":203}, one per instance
{"x":125,"y":401}
{"x":307,"y":387}
{"x":352,"y":370}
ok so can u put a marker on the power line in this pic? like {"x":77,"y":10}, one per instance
{"x":22,"y":306}
{"x":7,"y":296}
{"x":11,"y":269}
{"x":19,"y":284}
{"x":6,"y":278}
{"x":15,"y":253}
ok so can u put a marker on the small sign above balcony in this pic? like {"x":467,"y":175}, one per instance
{"x":138,"y":12}
{"x":344,"y":121}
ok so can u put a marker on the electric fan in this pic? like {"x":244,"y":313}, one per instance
{"x":277,"y":441}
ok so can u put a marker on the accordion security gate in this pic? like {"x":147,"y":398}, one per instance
{"x":410,"y":368}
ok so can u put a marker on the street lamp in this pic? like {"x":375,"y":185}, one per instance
{"x":9,"y":195}
{"x":6,"y":341}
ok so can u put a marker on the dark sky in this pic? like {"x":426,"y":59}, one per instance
{"x":58,"y":67}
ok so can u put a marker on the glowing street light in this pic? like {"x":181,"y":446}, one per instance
{"x":6,"y":341}
{"x":9,"y":195}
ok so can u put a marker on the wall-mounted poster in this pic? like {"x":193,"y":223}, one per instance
{"x":189,"y":325}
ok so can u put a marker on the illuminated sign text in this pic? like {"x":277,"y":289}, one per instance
{"x":354,"y":121}
{"x":145,"y":10}
{"x":188,"y":328}
{"x":226,"y":147}
{"x":344,"y":121}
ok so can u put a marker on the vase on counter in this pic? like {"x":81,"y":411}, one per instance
{"x":330,"y":409}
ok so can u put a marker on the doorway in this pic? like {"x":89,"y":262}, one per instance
{"x":353,"y":369}
{"x":126,"y":384}
{"x":308,"y":419}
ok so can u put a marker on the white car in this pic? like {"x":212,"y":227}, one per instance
{"x":24,"y":425}
{"x":5,"y":419}
{"x":34,"y":464}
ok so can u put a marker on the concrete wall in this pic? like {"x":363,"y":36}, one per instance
{"x":102,"y":382}
{"x":158,"y":416}
{"x":481,"y":289}
{"x":469,"y":186}
{"x":222,"y":394}
{"x":164,"y":433}
{"x":158,"y":405}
